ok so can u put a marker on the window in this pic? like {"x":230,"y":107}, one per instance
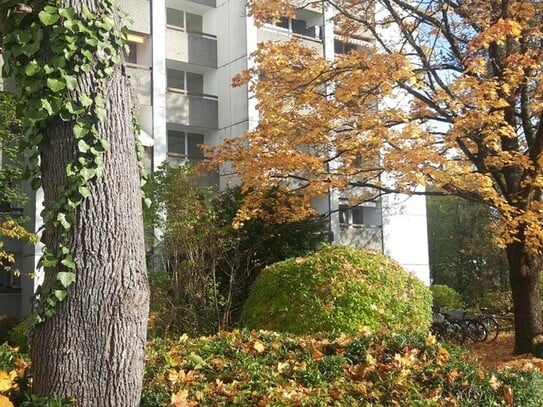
{"x":351,"y":215}
{"x":132,"y":56}
{"x":342,"y":47}
{"x":185,"y":144}
{"x":296,"y":26}
{"x":188,"y":81}
{"x":187,"y":21}
{"x":137,"y":45}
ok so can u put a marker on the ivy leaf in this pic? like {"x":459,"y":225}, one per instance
{"x":61,"y":217}
{"x":56,"y":85}
{"x":68,"y":262}
{"x":80,"y":131}
{"x":84,"y":191}
{"x":48,"y":16}
{"x":85,"y":101}
{"x":71,"y":82}
{"x":66,"y":278}
{"x":60,"y":294}
{"x":82,"y":146}
{"x":32,"y":68}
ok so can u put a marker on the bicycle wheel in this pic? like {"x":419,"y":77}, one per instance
{"x":492,"y":327}
{"x":475,"y":331}
{"x":455,"y":333}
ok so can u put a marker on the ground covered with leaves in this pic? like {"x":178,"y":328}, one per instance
{"x":243,"y":368}
{"x":269,"y":369}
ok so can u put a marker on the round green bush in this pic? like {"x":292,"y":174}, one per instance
{"x":445,"y":297}
{"x":337,"y":289}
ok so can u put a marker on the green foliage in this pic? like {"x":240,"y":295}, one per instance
{"x":79,"y":43}
{"x":337,"y":289}
{"x":463,"y":253}
{"x":497,"y":302}
{"x":18,"y":335}
{"x":272,"y":369}
{"x":11,"y":168}
{"x":445,"y":297}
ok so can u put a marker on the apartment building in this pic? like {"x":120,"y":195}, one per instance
{"x":183,"y":56}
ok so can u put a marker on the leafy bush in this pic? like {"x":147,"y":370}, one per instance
{"x":271,"y":369}
{"x":337,"y":289}
{"x":497,"y":302}
{"x":445,"y":297}
{"x":18,"y":335}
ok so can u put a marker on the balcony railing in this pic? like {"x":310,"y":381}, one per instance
{"x":197,"y":110}
{"x":191,"y":47}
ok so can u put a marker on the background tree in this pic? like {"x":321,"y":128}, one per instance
{"x":447,"y":92}
{"x":91,"y":310}
{"x":463,"y":253}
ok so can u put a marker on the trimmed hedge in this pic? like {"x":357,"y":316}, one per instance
{"x":337,"y":289}
{"x":445,"y":297}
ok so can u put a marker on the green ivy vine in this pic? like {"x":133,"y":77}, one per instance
{"x":77,"y":43}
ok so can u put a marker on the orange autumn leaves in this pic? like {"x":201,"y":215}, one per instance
{"x":448,"y":95}
{"x":265,"y":368}
{"x":9,"y":375}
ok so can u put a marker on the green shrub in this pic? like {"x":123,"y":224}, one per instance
{"x":266,"y":368}
{"x":497,"y":302}
{"x":337,"y":289}
{"x":445,"y":297}
{"x":18,"y":335}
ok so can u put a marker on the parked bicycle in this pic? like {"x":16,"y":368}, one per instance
{"x":458,"y":326}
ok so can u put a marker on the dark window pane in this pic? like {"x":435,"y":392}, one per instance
{"x":195,"y":83}
{"x":283,"y":23}
{"x":298,"y":26}
{"x":358,"y":218}
{"x":194,"y":140}
{"x":194,"y":23}
{"x":174,"y":17}
{"x":176,"y":142}
{"x":132,"y":56}
{"x":175,"y":79}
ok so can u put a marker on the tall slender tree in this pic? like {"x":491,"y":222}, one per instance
{"x":443,"y":91}
{"x":91,"y":310}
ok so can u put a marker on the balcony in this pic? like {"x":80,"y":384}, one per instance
{"x":364,"y":236}
{"x":193,"y":48}
{"x":209,"y":3}
{"x":140,"y":79}
{"x":191,"y":110}
{"x":140,"y":14}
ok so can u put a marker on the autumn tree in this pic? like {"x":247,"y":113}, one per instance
{"x":90,"y":315}
{"x":443,"y":92}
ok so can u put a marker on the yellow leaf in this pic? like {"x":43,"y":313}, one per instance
{"x":4,"y":402}
{"x":259,"y":346}
{"x":179,"y":399}
{"x":7,"y":380}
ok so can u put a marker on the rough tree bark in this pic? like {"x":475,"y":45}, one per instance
{"x":525,"y":277}
{"x":92,"y":349}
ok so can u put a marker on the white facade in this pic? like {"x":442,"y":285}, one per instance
{"x":184,"y":56}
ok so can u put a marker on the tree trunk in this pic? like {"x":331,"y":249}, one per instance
{"x":92,"y":349}
{"x":524,"y":276}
